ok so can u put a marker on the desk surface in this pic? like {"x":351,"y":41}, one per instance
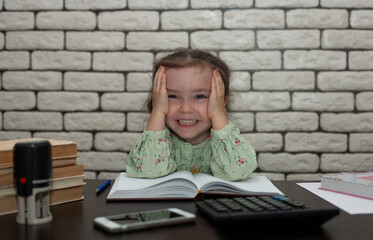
{"x":75,"y":221}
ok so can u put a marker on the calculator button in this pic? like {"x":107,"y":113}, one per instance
{"x":295,"y":203}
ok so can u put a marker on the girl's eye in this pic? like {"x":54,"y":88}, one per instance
{"x":172,"y":96}
{"x":201,"y":96}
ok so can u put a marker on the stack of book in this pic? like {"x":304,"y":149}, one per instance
{"x":67,"y":176}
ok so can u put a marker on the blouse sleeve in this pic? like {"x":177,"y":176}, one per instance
{"x":233,"y":158}
{"x":152,"y":156}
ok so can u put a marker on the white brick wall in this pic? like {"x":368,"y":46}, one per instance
{"x":301,"y":85}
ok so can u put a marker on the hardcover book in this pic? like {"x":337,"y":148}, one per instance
{"x":60,"y":150}
{"x":359,"y":184}
{"x":8,"y":204}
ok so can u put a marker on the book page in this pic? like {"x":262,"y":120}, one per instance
{"x":258,"y":185}
{"x":177,"y":185}
{"x":127,"y":183}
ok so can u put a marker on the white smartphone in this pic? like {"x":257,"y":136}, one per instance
{"x":143,"y":220}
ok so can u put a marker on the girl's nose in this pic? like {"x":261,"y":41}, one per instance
{"x":186,"y":108}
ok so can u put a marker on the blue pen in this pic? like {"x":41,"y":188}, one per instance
{"x":103,"y":186}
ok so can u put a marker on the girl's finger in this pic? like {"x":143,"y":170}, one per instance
{"x":157,"y":78}
{"x":213,"y":82}
{"x":163,"y":81}
{"x":220,"y":84}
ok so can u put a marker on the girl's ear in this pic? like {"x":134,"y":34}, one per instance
{"x":225,"y":101}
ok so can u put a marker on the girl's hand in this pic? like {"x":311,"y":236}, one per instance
{"x":217,"y":102}
{"x":159,"y":101}
{"x":159,"y":95}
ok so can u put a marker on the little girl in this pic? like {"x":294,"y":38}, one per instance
{"x":188,"y":127}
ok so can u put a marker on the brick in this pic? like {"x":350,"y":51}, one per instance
{"x":94,"y":41}
{"x":68,"y":101}
{"x":361,"y":142}
{"x":61,"y":60}
{"x":254,"y":18}
{"x":323,"y":101}
{"x":287,"y":121}
{"x":33,"y":4}
{"x":14,"y":60}
{"x":156,"y":40}
{"x":286,"y":3}
{"x":265,"y":142}
{"x":361,"y":19}
{"x":364,"y":101}
{"x":221,"y":4}
{"x":123,"y":61}
{"x":254,"y":60}
{"x":300,"y":80}
{"x":32,"y":121}
{"x":83,"y":140}
{"x":93,"y":81}
{"x":123,"y":101}
{"x":191,"y":19}
{"x":240,"y":81}
{"x":76,"y":20}
{"x":17,"y":100}
{"x":2,"y":41}
{"x":285,"y":162}
{"x":330,"y":81}
{"x":89,"y":175}
{"x":94,"y":4}
{"x":259,"y":101}
{"x":315,"y":142}
{"x":303,"y":177}
{"x":346,"y":162}
{"x":347,"y":122}
{"x":346,"y":3}
{"x":341,"y":39}
{"x":97,"y":121}
{"x":360,"y":60}
{"x":139,"y":82}
{"x":244,"y":121}
{"x":16,"y":20}
{"x":101,"y":161}
{"x":317,"y":18}
{"x":315,"y":59}
{"x":222,"y":40}
{"x":285,"y":39}
{"x":158,"y":4}
{"x":270,"y":176}
{"x":31,"y":40}
{"x":31,"y":80}
{"x":160,"y":55}
{"x":137,"y":121}
{"x":128,"y":20}
{"x":11,"y":135}
{"x":108,"y":175}
{"x":116,"y":141}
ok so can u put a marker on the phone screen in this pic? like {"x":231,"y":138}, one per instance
{"x":145,"y":216}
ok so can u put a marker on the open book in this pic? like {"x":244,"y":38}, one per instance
{"x":185,"y":185}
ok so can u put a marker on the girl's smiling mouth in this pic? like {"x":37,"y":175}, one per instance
{"x":186,"y":122}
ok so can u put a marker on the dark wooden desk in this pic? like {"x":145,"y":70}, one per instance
{"x":75,"y":221}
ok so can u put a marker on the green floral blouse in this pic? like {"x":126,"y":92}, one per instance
{"x":225,"y":154}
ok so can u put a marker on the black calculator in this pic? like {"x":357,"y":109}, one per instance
{"x":260,"y":209}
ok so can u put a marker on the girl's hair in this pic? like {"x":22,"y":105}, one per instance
{"x":183,"y":58}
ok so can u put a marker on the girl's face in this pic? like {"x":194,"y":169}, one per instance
{"x":188,"y":96}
